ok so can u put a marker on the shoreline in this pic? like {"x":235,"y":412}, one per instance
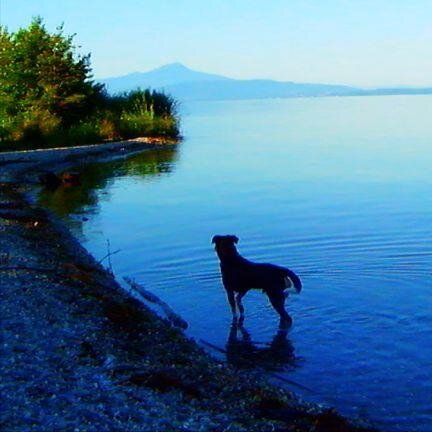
{"x":15,"y":164}
{"x":80,"y":353}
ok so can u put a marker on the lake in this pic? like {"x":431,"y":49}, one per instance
{"x":337,"y":189}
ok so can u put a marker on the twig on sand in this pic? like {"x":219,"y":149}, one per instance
{"x":175,"y":319}
{"x":108,"y":255}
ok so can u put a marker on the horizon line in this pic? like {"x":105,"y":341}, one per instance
{"x":360,"y":87}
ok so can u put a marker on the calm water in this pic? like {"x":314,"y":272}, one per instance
{"x":339,"y":190}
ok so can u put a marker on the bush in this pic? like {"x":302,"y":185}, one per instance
{"x":133,"y":125}
{"x":165,"y":126}
{"x":139,"y":113}
{"x":109,"y":128}
{"x":83,"y":133}
{"x":29,"y":127}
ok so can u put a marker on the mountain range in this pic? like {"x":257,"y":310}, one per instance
{"x":186,"y":84}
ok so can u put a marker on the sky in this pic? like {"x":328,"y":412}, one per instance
{"x":379,"y":43}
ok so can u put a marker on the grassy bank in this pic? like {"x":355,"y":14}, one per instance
{"x":48,"y":97}
{"x":129,"y":115}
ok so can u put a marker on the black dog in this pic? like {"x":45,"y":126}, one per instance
{"x":240,"y":275}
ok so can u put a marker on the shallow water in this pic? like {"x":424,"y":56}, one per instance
{"x":339,"y":190}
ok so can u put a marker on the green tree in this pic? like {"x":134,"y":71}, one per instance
{"x":43,"y":82}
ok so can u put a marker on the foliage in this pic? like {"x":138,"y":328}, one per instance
{"x":140,"y":113}
{"x":143,"y":101}
{"x":39,"y":72}
{"x":48,"y":96}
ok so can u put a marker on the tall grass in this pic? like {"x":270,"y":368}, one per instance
{"x":139,"y":113}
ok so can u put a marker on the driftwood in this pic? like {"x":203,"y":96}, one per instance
{"x":175,"y":319}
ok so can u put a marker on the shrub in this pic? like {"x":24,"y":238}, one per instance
{"x":86,"y":132}
{"x":109,"y":129}
{"x":153,"y":102}
{"x":31,"y":126}
{"x":133,"y":125}
{"x":165,"y":126}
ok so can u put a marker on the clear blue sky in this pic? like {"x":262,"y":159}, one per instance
{"x":359,"y":42}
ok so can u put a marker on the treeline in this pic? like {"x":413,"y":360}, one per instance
{"x":48,"y":96}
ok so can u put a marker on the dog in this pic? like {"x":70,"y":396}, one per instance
{"x":240,"y":275}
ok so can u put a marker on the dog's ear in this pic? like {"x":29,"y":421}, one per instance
{"x":215,"y":239}
{"x":234,"y":238}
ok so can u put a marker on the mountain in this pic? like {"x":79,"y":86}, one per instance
{"x":186,"y":84}
{"x":168,"y":75}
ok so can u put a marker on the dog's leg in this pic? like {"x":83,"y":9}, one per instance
{"x":240,"y":307}
{"x":277,"y":300}
{"x":232,"y":302}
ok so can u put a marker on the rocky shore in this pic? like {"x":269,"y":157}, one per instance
{"x":80,"y":354}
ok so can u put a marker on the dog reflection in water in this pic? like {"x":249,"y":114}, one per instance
{"x":243,"y":353}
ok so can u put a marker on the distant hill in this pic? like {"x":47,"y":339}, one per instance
{"x":164,"y":76}
{"x":186,"y":84}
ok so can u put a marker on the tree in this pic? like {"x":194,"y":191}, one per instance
{"x":43,"y":82}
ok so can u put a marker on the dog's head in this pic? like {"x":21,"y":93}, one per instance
{"x":225,"y":245}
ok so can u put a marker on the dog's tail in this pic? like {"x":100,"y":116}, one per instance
{"x":292,"y":280}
